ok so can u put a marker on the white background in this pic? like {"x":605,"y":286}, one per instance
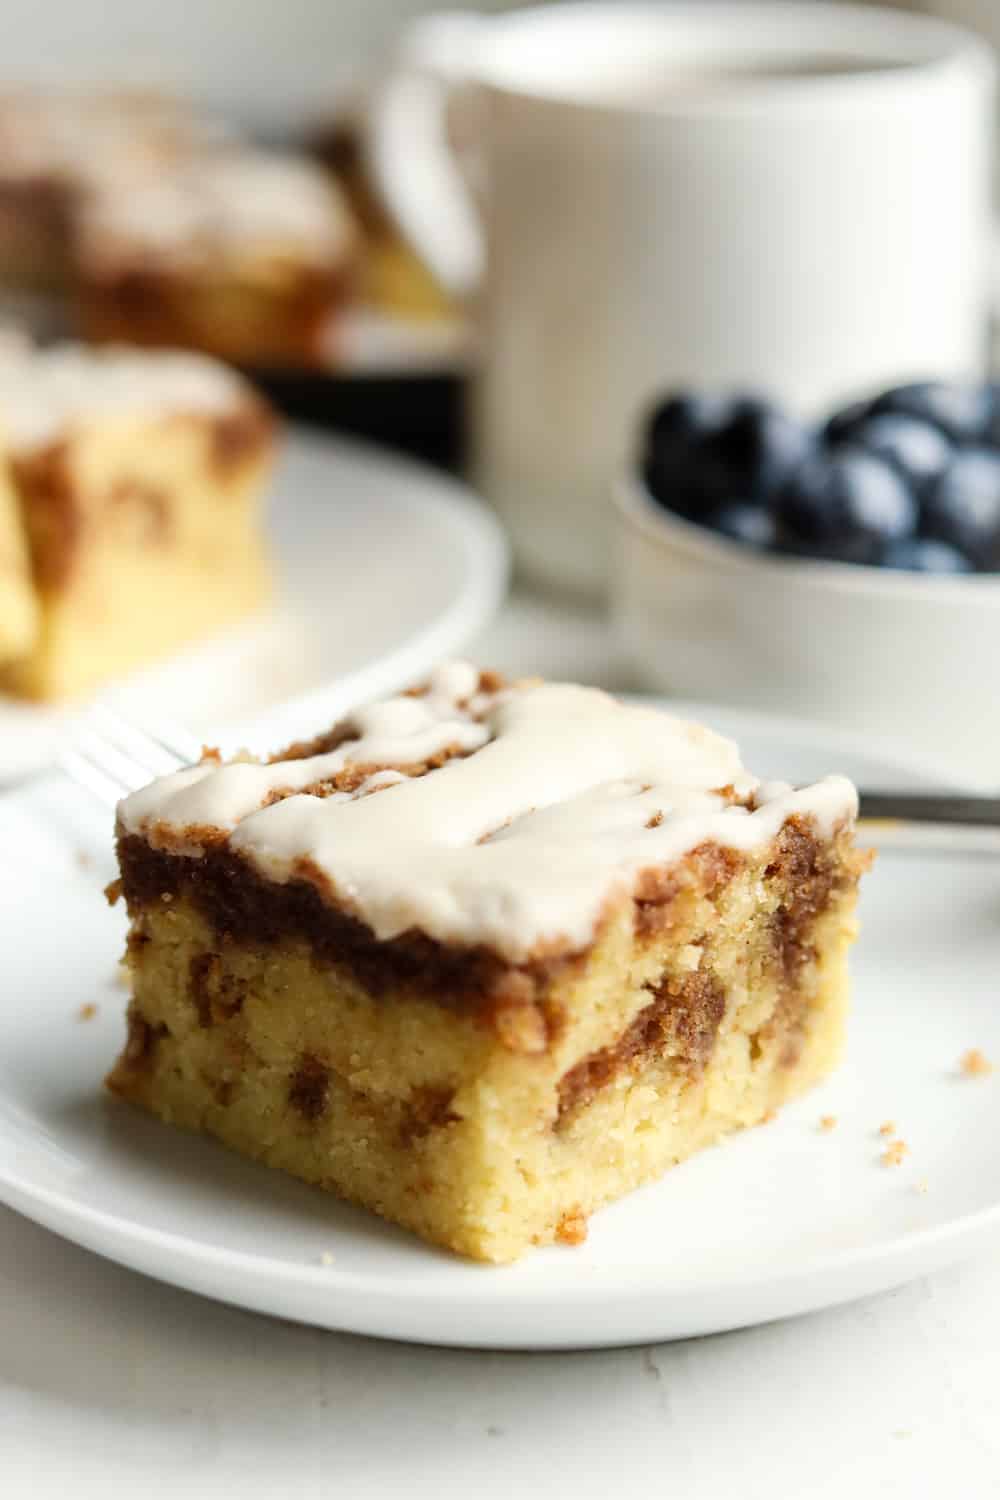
{"x":275,"y":63}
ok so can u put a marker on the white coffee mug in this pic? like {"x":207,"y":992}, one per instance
{"x":982,"y":16}
{"x":787,"y":197}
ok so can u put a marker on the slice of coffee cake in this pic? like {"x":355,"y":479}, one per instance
{"x":483,"y":958}
{"x":58,"y":145}
{"x":248,"y":255}
{"x":18,"y":610}
{"x":138,"y":479}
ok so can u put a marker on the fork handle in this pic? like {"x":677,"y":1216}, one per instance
{"x":960,"y":809}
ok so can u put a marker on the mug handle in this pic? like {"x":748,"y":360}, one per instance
{"x":410,"y":160}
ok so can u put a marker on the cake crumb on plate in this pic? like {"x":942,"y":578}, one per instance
{"x":975,"y":1064}
{"x":87,"y":1012}
{"x":887,"y":1127}
{"x":572,"y":1228}
{"x":893,"y":1154}
{"x":828,"y":1122}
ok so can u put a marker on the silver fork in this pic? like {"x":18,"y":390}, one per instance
{"x":110,"y":756}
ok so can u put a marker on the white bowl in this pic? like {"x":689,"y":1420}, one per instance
{"x":904,"y":656}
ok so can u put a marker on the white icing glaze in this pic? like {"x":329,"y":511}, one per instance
{"x":252,"y":202}
{"x":518,"y":844}
{"x":45,"y":391}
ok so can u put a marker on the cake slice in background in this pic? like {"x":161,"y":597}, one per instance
{"x":139,"y":479}
{"x":392,"y":279}
{"x":57,"y":145}
{"x":483,"y":958}
{"x":18,"y":606}
{"x":245,"y":254}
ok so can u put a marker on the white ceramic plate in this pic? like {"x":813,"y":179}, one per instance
{"x":781,"y":1220}
{"x":384,"y":567}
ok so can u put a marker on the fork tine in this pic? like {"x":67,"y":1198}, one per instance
{"x":109,"y":756}
{"x":125,"y":770}
{"x":178,"y":742}
{"x":91,"y":777}
{"x":159,"y":750}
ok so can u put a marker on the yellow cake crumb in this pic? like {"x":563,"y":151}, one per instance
{"x":893,"y":1154}
{"x":887,"y":1127}
{"x":86,"y":1012}
{"x":975,"y":1064}
{"x":18,"y":604}
{"x":572,"y":1228}
{"x":828,"y":1122}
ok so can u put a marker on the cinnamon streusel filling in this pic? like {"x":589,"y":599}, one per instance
{"x":484,"y":957}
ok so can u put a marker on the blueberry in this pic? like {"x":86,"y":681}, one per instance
{"x":684,"y":419}
{"x":924,"y":555}
{"x":763,"y":446}
{"x":679,"y":467}
{"x":963,"y":508}
{"x":702,"y":452}
{"x":993,"y":430}
{"x":847,"y":504}
{"x":742,"y":522}
{"x":961,"y":410}
{"x":919,"y":451}
{"x":843,"y":422}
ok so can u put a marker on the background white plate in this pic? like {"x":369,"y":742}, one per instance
{"x":384,"y":567}
{"x":783,"y":1219}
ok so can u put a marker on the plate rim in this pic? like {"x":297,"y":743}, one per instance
{"x":927,"y":767}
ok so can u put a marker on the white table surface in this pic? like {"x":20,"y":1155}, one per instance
{"x":108,"y":1380}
